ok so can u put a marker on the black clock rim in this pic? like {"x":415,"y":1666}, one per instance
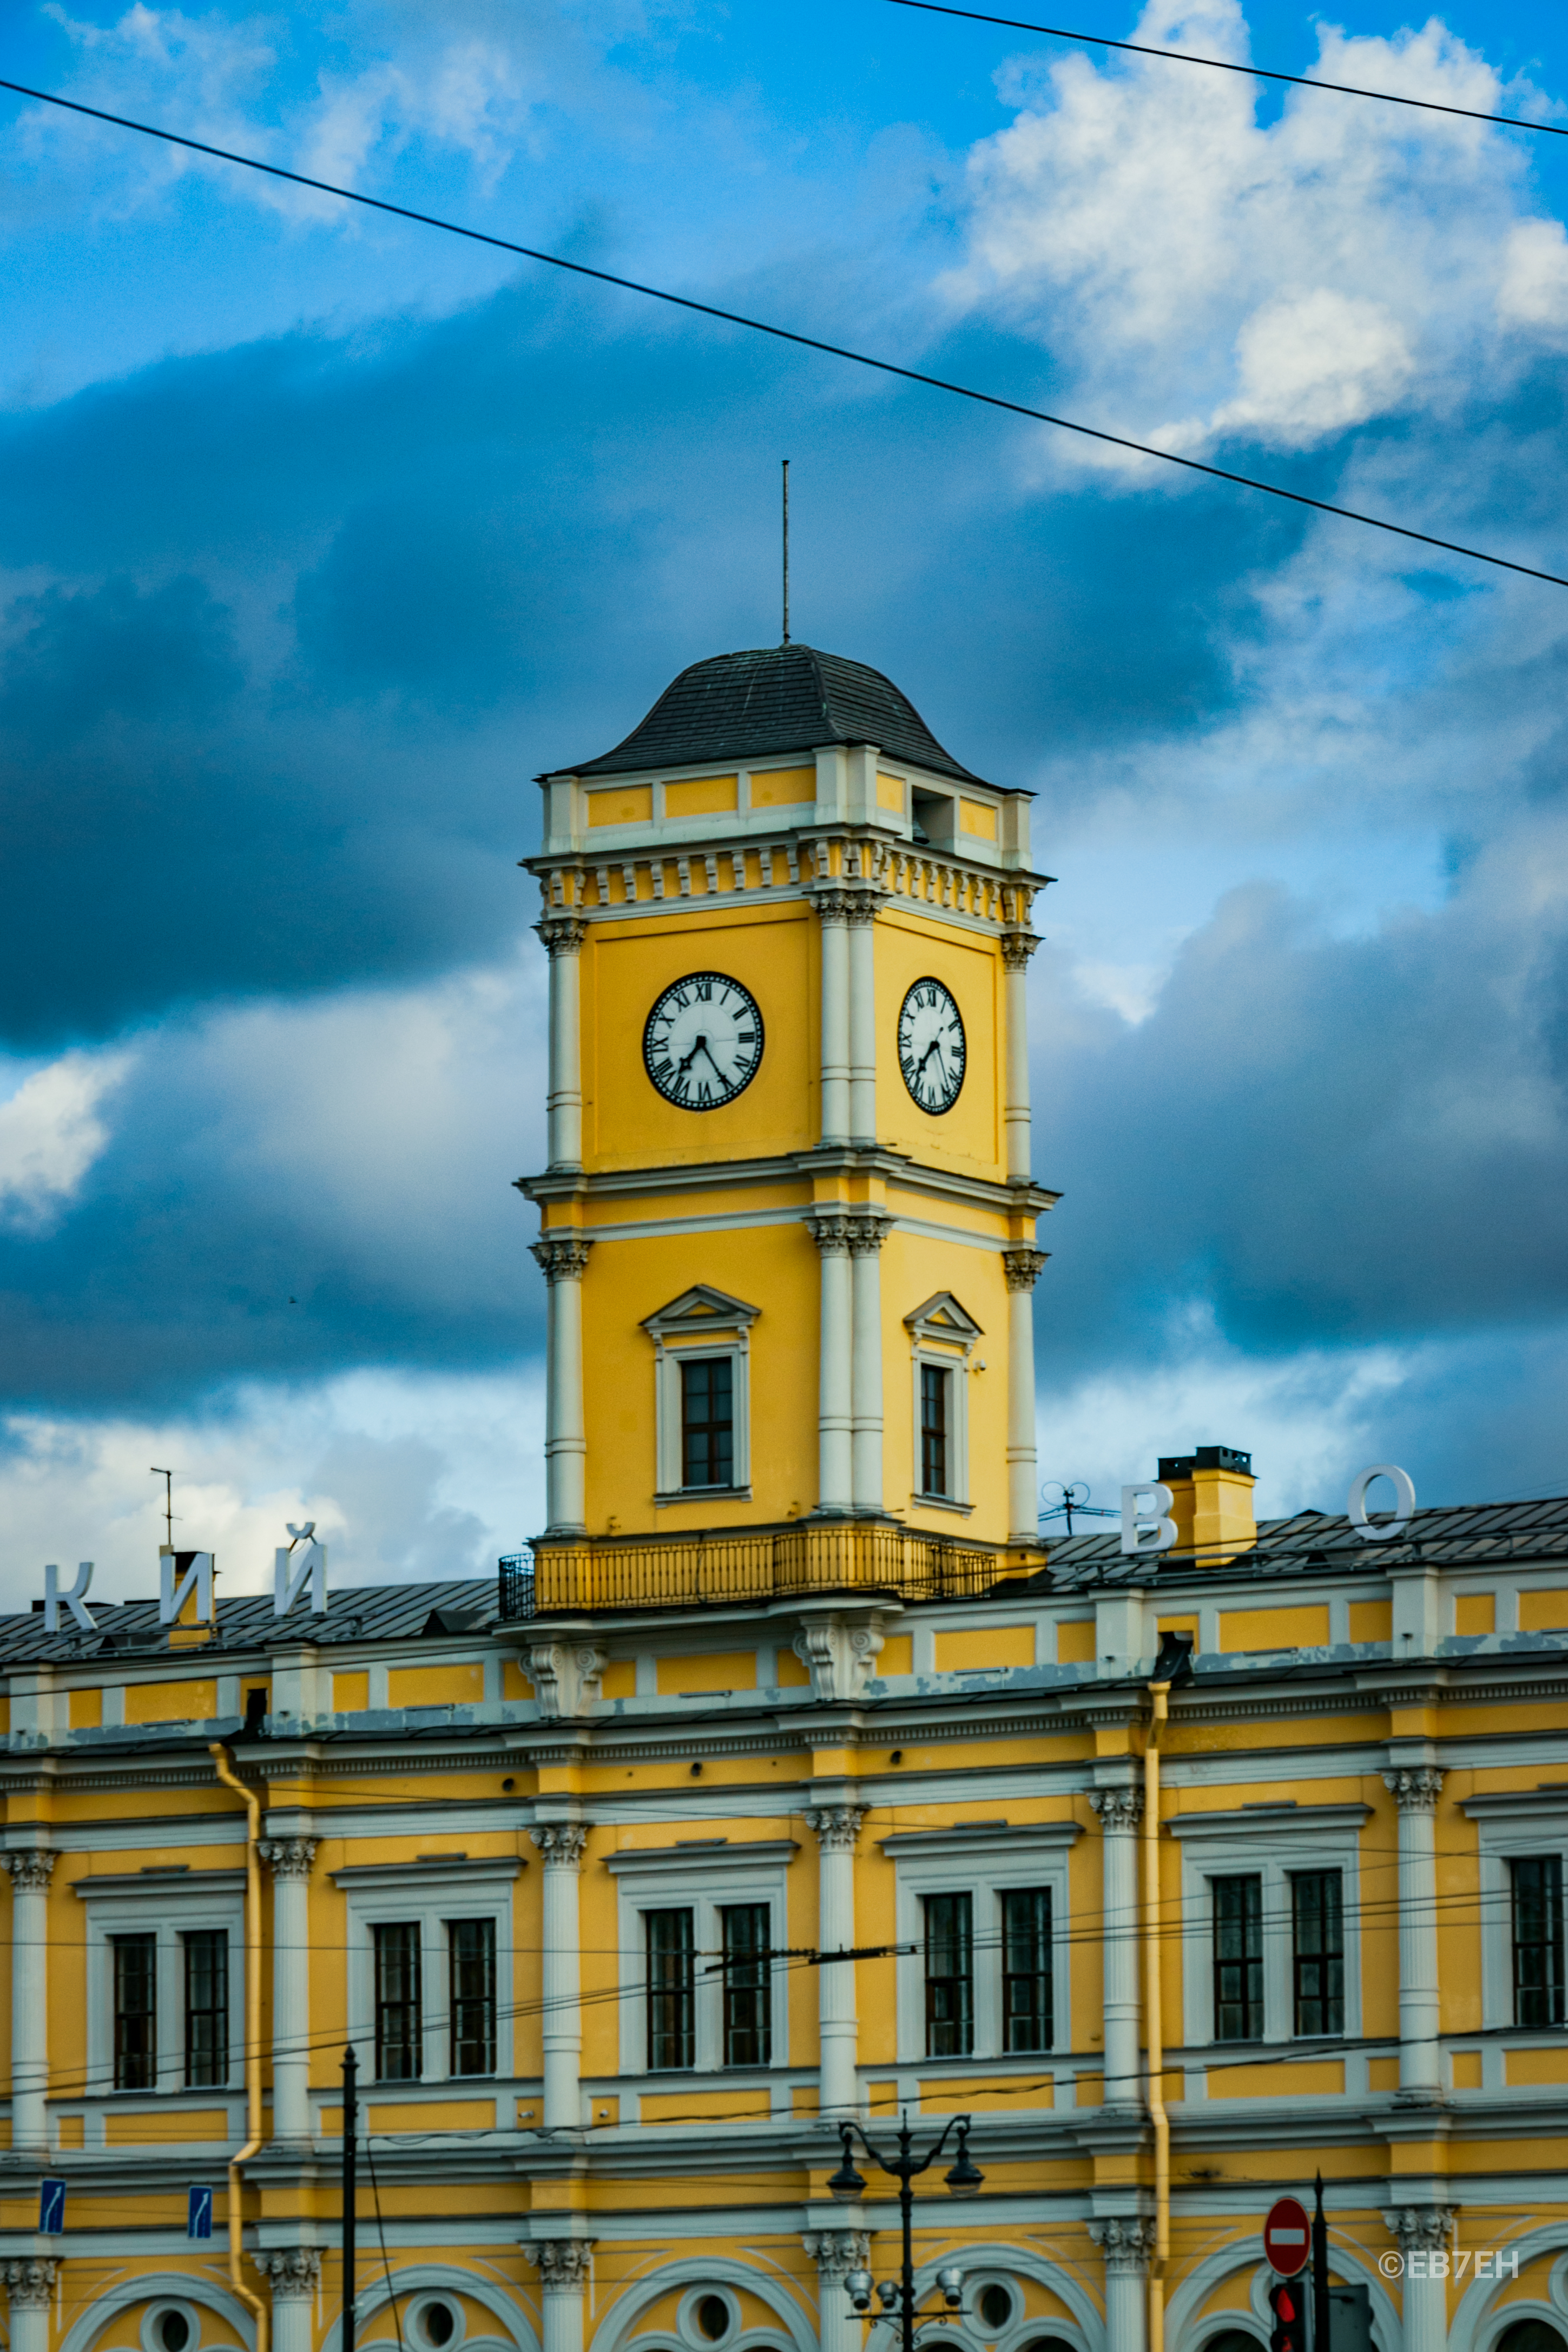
{"x":687,"y":978}
{"x":929,"y":978}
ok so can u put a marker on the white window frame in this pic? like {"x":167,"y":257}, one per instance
{"x":168,"y":1908}
{"x":942,"y":1333}
{"x":1513,"y":1825}
{"x":983,"y":1864}
{"x":702,"y":1324}
{"x":430,"y":1893}
{"x":1274,"y":1843}
{"x":703,"y":1880}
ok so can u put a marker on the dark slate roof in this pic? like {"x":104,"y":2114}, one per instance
{"x":1456,"y":1535}
{"x":781,"y":698}
{"x":247,"y":1620}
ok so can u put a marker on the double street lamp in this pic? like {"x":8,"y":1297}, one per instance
{"x":963,"y":2178}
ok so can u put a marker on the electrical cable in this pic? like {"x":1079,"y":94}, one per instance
{"x":1228,"y":65}
{"x":783,"y":334}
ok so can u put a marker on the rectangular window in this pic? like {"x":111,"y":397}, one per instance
{"x":1028,"y":2022}
{"x":398,"y":2025}
{"x":471,"y":1970}
{"x":1318,"y":1951}
{"x":1538,"y":1940}
{"x":671,"y":1990}
{"x":934,"y":1429}
{"x":708,"y":1422}
{"x":748,"y":1986}
{"x":949,"y":1976}
{"x":206,"y":2008}
{"x":1237,"y":1959}
{"x":135,"y":2012}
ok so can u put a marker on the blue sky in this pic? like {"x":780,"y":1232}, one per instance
{"x":321,"y":535}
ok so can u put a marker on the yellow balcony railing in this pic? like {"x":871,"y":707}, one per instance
{"x":762,"y":1564}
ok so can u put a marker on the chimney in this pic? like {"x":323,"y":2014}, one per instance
{"x":1211,"y":1502}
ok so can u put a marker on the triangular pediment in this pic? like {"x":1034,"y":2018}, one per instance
{"x":698,"y":1309}
{"x":942,"y":1317}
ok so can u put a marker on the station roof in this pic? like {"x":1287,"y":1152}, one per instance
{"x":1450,"y":1535}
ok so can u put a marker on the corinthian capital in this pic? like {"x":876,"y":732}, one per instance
{"x":1118,"y":1809}
{"x":562,"y":934}
{"x":289,"y":1857}
{"x":1018,"y":947}
{"x":561,"y":1257}
{"x":868,"y":1229}
{"x":30,"y":2282}
{"x":561,"y":2263}
{"x":562,"y":1845}
{"x":1420,"y":2229}
{"x":836,"y":2252}
{"x":833,"y":1231}
{"x":836,"y":1826}
{"x":1126,"y":2241}
{"x":1415,"y":1787}
{"x":1023,"y":1266}
{"x":30,"y":1870}
{"x":293,"y":2272}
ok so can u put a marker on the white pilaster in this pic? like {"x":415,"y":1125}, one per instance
{"x":861,"y":915}
{"x":835,"y":1416}
{"x":867,"y":1232}
{"x":836,"y":2252}
{"x":562,"y":936}
{"x":30,"y":2291}
{"x":1424,"y":2233}
{"x":562,"y":2264}
{"x":838,"y":1826}
{"x":1416,"y":1788}
{"x":30,"y":1871}
{"x":294,"y":2274}
{"x":290,"y":1859}
{"x":1126,"y":2243}
{"x":563,"y":1258}
{"x":562,"y":1845}
{"x":1023,"y":1271}
{"x":1121,"y":1810}
{"x":1018,"y":947}
{"x":831,"y":910}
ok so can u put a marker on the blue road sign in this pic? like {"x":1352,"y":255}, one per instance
{"x":52,"y":2208}
{"x":199,"y":2215}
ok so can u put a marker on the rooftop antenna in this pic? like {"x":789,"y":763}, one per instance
{"x":786,"y":550}
{"x":168,"y":1479}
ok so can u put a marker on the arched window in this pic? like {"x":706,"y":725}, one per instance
{"x":1530,"y":2335}
{"x":1231,"y":2340}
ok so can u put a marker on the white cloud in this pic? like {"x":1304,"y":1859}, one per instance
{"x":50,"y":1134}
{"x":1203,"y":273}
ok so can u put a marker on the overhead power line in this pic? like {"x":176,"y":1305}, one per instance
{"x":1228,"y":65}
{"x":781,"y":334}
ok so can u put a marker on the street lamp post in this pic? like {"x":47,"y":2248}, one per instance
{"x":963,"y":2180}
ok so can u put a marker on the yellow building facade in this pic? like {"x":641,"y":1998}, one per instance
{"x":788,"y":1780}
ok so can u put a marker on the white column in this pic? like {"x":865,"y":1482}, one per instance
{"x":1023,"y":1266}
{"x":562,"y":936}
{"x":290,"y":1859}
{"x":1416,"y":1788}
{"x":1121,"y":1811}
{"x":30,"y":2290}
{"x":563,"y":1258}
{"x":1018,"y":947}
{"x":832,"y":912}
{"x":293,"y":2273}
{"x":563,"y":2279}
{"x":836,"y":1827}
{"x":836,"y":2252}
{"x":30,"y":1871}
{"x":561,"y":1844}
{"x":1126,"y":2241}
{"x":835,"y":1411}
{"x":1424,"y":2233}
{"x":867,"y":1232}
{"x":862,"y":917}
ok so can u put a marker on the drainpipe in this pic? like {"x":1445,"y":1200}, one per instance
{"x":1155,"y":2023}
{"x":223,"y":1765}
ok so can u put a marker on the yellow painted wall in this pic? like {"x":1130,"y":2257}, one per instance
{"x":897,"y":1656}
{"x":1307,"y":2080}
{"x":436,"y":1684}
{"x":891,"y":792}
{"x":702,"y":796}
{"x":977,"y":818}
{"x":86,"y":1709}
{"x":1274,"y":1629}
{"x":985,"y":1646}
{"x":1372,"y":1621}
{"x":1475,"y":1612}
{"x":184,"y":1702}
{"x":620,"y":805}
{"x":709,"y":1670}
{"x":783,"y":787}
{"x":1542,"y":1612}
{"x":911,"y":947}
{"x":1075,"y":1642}
{"x":351,"y":1693}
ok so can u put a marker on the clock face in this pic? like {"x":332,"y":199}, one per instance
{"x":931,"y":1046}
{"x":703,"y":1041}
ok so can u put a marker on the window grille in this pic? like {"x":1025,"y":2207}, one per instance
{"x":671,"y":1990}
{"x":708,"y":1422}
{"x":206,"y":2009}
{"x":398,"y":2026}
{"x":949,"y":1975}
{"x":471,"y":1970}
{"x":135,"y":2012}
{"x":1237,"y":1959}
{"x":1537,"y":1940}
{"x":1027,"y":2022}
{"x":1318,"y":1951}
{"x":748,"y":1986}
{"x":934,"y":1381}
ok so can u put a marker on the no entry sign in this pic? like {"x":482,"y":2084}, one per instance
{"x":1287,"y":2236}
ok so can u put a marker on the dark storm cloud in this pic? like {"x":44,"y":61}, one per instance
{"x":1330,"y":1139}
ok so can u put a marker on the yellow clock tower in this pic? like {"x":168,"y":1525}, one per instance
{"x":788,"y":1222}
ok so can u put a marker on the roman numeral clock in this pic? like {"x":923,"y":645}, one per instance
{"x":788,"y":1223}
